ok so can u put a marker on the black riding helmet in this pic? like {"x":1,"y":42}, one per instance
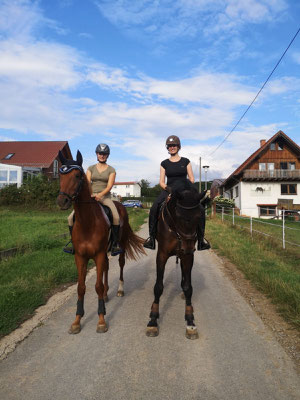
{"x":103,"y":149}
{"x":173,"y":140}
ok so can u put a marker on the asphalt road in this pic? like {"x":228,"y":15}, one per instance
{"x":236,"y":356}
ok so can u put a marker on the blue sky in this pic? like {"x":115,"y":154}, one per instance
{"x":130,"y":73}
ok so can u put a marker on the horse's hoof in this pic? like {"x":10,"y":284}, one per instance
{"x":191,"y":332}
{"x":120,"y":293}
{"x":74,"y":329}
{"x":152,"y":331}
{"x":105,"y":299}
{"x":101,"y":328}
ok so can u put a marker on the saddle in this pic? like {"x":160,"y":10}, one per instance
{"x":108,"y":213}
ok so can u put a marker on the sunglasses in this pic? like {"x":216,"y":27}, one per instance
{"x":172,"y":145}
{"x":102,"y":154}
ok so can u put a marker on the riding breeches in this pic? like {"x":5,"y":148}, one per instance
{"x":106,"y":201}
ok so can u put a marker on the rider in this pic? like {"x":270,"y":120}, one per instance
{"x":101,"y":178}
{"x":175,"y":168}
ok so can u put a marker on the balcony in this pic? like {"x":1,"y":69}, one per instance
{"x":272,"y":175}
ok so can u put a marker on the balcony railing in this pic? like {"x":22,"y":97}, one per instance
{"x":276,"y":174}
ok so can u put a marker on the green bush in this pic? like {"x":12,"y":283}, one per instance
{"x":223,"y":202}
{"x":38,"y":191}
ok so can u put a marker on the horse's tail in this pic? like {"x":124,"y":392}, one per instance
{"x":133,"y":244}
{"x":130,"y":242}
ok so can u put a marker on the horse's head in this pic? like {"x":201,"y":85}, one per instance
{"x":187,"y":211}
{"x":71,"y":178}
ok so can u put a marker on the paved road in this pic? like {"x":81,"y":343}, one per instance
{"x":236,"y":356}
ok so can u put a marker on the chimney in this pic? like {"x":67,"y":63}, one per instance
{"x":262,"y":142}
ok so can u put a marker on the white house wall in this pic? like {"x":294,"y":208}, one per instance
{"x":127,"y":190}
{"x":253,"y":193}
{"x":10,"y":174}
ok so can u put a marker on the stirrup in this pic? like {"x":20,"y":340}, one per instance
{"x":150,"y":243}
{"x":69,"y":250}
{"x":116,"y":249}
{"x":203,"y":245}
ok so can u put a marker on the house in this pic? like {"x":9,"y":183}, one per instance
{"x":126,"y":189}
{"x":216,"y":188}
{"x":269,"y":180}
{"x":22,"y":159}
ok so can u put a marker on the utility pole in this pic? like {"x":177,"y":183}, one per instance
{"x":199,"y":174}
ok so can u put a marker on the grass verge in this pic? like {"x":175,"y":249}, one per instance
{"x":27,"y":280}
{"x":273,"y":271}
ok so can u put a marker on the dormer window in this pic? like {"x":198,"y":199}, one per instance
{"x":8,"y":156}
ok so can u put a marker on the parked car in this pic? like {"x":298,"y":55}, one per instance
{"x":132,"y":203}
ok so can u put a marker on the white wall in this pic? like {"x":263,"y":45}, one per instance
{"x":270,"y":194}
{"x":133,"y":190}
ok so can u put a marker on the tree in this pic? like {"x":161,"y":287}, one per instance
{"x":145,"y":186}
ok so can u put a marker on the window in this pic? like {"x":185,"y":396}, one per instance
{"x":115,"y":186}
{"x":236,"y":191}
{"x":8,"y":156}
{"x":283,"y":165}
{"x":280,"y":146}
{"x":127,"y":194}
{"x":3,"y":176}
{"x":290,"y":188}
{"x":13,"y":176}
{"x":272,"y":146}
{"x":231,"y":193}
{"x":292,"y":166}
{"x":127,"y":186}
{"x":267,"y":210}
{"x":271,"y":168}
{"x":262,"y":166}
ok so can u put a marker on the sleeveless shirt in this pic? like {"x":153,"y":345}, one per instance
{"x":99,"y":180}
{"x":175,"y":170}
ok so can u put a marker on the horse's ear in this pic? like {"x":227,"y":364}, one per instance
{"x":79,"y":158}
{"x":61,"y":157}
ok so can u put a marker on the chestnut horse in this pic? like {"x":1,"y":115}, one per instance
{"x":90,"y":236}
{"x":176,"y":236}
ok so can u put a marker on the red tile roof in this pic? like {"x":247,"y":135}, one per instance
{"x":33,"y":154}
{"x":244,"y":165}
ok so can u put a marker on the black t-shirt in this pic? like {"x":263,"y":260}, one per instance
{"x":175,"y":170}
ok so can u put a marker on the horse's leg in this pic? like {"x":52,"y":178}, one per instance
{"x":81,"y":264}
{"x":121,"y":280}
{"x":106,"y":287}
{"x":186,"y":284}
{"x":152,"y":327}
{"x":101,"y":264}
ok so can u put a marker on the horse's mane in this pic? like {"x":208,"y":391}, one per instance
{"x":185,"y":192}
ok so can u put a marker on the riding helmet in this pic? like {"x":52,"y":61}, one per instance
{"x":173,"y":140}
{"x":103,"y":148}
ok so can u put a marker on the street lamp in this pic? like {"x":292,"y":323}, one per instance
{"x":205,"y":167}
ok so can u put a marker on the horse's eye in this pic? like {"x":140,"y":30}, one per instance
{"x":77,"y":176}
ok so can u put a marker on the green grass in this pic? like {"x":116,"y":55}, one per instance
{"x":27,"y":280}
{"x":21,"y":228}
{"x":274,"y":271}
{"x":269,"y":226}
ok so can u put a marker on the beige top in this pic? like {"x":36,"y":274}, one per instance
{"x":99,"y":180}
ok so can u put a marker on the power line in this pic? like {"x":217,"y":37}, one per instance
{"x":278,"y":62}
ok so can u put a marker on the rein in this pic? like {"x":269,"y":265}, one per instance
{"x":180,"y":235}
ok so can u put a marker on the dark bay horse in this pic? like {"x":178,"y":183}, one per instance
{"x":90,"y":236}
{"x":176,"y":236}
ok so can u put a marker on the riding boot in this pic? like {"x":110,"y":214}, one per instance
{"x":115,"y":247}
{"x":202,"y":244}
{"x":69,"y":246}
{"x":150,"y":242}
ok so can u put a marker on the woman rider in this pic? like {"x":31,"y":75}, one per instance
{"x":101,"y":178}
{"x":175,"y":168}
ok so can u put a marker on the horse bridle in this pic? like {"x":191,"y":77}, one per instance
{"x":65,"y":169}
{"x":180,"y":235}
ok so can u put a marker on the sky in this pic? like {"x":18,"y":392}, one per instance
{"x":130,"y":73}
